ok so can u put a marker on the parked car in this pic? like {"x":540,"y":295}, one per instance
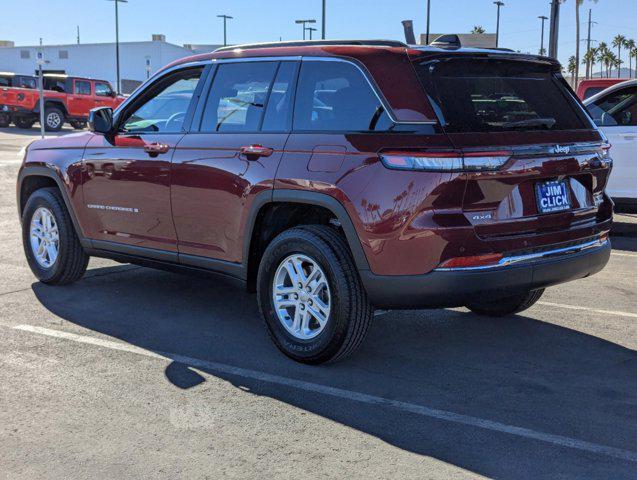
{"x":11,"y":79}
{"x":592,"y":86}
{"x":66,"y":99}
{"x":615,"y":112}
{"x":332,"y":178}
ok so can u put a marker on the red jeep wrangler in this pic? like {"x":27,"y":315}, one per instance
{"x":66,"y":99}
{"x":332,"y":178}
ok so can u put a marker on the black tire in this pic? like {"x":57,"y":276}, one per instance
{"x":508,"y":305}
{"x":71,"y":261}
{"x":5,"y":120}
{"x":77,"y":125}
{"x":53,"y":119}
{"x":351,"y":313}
{"x":24,"y":123}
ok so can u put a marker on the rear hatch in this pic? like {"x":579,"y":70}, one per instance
{"x":533,"y":160}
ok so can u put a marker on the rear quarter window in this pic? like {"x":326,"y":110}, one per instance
{"x":475,"y":95}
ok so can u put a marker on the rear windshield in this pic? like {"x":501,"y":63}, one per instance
{"x":475,"y":95}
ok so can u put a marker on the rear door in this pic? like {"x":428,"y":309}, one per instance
{"x":127,"y":175}
{"x":230,"y":156}
{"x":531,"y":154}
{"x":616,"y":114}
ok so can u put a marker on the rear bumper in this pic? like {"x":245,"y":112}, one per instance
{"x":455,"y":288}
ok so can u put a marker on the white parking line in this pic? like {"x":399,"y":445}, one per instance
{"x":594,"y":310}
{"x":631,"y":255}
{"x":212,"y":367}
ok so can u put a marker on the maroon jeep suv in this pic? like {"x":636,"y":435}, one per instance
{"x":333,"y":178}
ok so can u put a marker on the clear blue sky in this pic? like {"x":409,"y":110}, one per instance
{"x":194,"y":21}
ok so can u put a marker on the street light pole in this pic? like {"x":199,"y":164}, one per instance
{"x":118,"y":86}
{"x":554,"y":27}
{"x":543,"y":18}
{"x":225,"y":19}
{"x":303,"y":22}
{"x":428,"y":15}
{"x":497,"y":27}
{"x":323,"y":22}
{"x":310,"y":29}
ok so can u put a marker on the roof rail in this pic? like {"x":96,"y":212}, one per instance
{"x":315,"y":43}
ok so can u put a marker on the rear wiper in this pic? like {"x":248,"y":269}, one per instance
{"x":547,"y":122}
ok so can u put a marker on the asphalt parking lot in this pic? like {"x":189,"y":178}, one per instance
{"x":135,"y":373}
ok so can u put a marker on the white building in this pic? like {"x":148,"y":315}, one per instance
{"x":138,"y":60}
{"x":478,"y":40}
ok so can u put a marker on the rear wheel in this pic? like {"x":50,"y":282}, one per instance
{"x":311,"y":298}
{"x":51,"y":246}
{"x":506,"y":306}
{"x":5,"y":120}
{"x":77,"y":125}
{"x":23,"y":123}
{"x":53,"y":119}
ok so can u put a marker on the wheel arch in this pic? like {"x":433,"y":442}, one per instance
{"x":33,"y":178}
{"x":324,"y":208}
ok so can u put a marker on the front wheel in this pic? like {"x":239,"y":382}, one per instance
{"x":53,"y":119}
{"x":506,"y":306}
{"x":310,"y":295}
{"x":51,"y":245}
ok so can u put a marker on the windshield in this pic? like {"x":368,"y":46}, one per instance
{"x":486,"y":95}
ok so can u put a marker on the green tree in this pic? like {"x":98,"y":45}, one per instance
{"x":618,"y":43}
{"x":633,"y":53}
{"x":478,"y":30}
{"x":589,"y":59}
{"x":572,"y":69}
{"x":602,"y":48}
{"x":630,"y":46}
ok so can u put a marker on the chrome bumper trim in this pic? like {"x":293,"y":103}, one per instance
{"x":531,"y":257}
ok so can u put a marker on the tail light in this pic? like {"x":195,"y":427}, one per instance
{"x":445,"y":161}
{"x":472,"y":261}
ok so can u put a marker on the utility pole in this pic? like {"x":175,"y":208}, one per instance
{"x":554,"y":27}
{"x":428,"y":16}
{"x":543,"y":18}
{"x":225,"y":31}
{"x":303,"y":22}
{"x":323,"y":22}
{"x":78,"y":34}
{"x":497,"y":27}
{"x":118,"y":86}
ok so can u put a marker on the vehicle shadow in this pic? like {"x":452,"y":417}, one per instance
{"x":517,"y":371}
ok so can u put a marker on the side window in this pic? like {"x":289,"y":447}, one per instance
{"x":618,"y":108}
{"x":237,"y":97}
{"x":25,"y":82}
{"x":103,"y":90}
{"x":163,"y":106}
{"x":4,"y":82}
{"x":335,"y":96}
{"x":278,"y":113}
{"x":82,"y":87}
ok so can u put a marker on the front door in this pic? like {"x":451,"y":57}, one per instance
{"x":127,"y":175}
{"x":231,"y":155}
{"x":80,"y":101}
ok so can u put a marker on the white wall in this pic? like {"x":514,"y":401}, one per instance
{"x":96,"y":60}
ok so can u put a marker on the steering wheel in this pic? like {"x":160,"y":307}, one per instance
{"x":174,"y":118}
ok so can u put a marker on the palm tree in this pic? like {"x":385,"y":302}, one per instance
{"x":589,"y":59}
{"x":630,"y":46}
{"x":602,"y":48}
{"x":633,"y":53}
{"x":478,"y":30}
{"x":571,"y":69}
{"x":618,"y":42}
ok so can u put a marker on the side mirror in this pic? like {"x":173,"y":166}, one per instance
{"x":100,"y":120}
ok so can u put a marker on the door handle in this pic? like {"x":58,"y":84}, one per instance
{"x":154,"y":149}
{"x":256,"y":151}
